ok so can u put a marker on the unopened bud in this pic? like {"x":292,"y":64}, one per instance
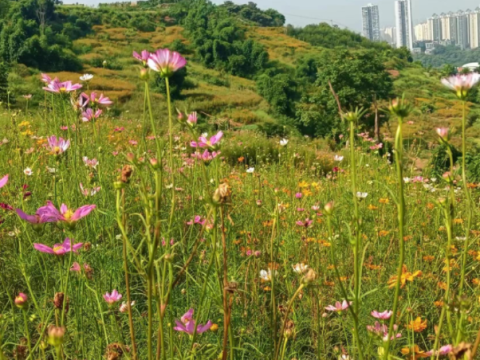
{"x":55,"y":335}
{"x":329,"y":208}
{"x":154,"y":163}
{"x":309,"y":277}
{"x":144,"y":74}
{"x":21,"y":301}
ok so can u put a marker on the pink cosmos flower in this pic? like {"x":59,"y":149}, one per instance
{"x":90,"y":163}
{"x":203,"y":142}
{"x":192,"y":119}
{"x":166,"y":62}
{"x":89,"y":115}
{"x":187,"y":324}
{"x":89,"y":192}
{"x":51,"y":214}
{"x":443,"y":133}
{"x":38,"y":218}
{"x":444,"y":350}
{"x":57,"y":87}
{"x":206,"y":156}
{"x":339,"y":306}
{"x":143,"y":56}
{"x":461,"y":84}
{"x":298,"y":195}
{"x":113,"y":297}
{"x":3,"y":181}
{"x":307,"y":223}
{"x":27,"y":97}
{"x":80,"y":103}
{"x":382,"y":331}
{"x":382,"y":315}
{"x":377,"y":146}
{"x":46,"y":79}
{"x":58,"y":249}
{"x":76,"y":267}
{"x":119,"y":129}
{"x":197,"y":220}
{"x":58,"y":146}
{"x":102,"y":100}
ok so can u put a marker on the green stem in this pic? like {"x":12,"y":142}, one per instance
{"x":401,"y":223}
{"x":27,"y":332}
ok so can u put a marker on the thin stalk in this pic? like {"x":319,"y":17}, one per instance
{"x":27,"y":332}
{"x":401,"y":222}
{"x":120,"y":220}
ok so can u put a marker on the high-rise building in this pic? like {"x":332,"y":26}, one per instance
{"x":445,"y":23}
{"x":371,"y":22}
{"x":422,"y":32}
{"x":435,"y":27}
{"x":474,"y":28}
{"x":462,"y":36}
{"x":404,"y":23}
{"x":389,"y":35}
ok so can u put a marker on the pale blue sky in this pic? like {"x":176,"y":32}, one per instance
{"x":346,"y":13}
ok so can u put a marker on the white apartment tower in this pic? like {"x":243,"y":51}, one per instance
{"x":474,"y":28}
{"x":404,"y":23}
{"x":435,"y":28}
{"x":445,"y":23}
{"x":462,"y":36}
{"x":422,"y":32}
{"x":371,"y":22}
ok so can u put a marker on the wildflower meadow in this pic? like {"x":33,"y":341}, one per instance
{"x":149,"y":239}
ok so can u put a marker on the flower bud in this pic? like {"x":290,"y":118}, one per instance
{"x":21,"y":301}
{"x":329,"y":208}
{"x":309,"y":277}
{"x":399,"y":108}
{"x":154,"y":163}
{"x":144,"y":74}
{"x":55,"y":335}
{"x":222,"y":194}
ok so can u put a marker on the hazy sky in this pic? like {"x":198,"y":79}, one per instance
{"x":346,"y":13}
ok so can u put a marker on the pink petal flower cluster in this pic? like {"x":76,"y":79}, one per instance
{"x":89,"y":192}
{"x":385,"y":315}
{"x":89,"y":115}
{"x":58,"y":249}
{"x":192,"y":118}
{"x":58,"y":145}
{"x":339,"y":306}
{"x":113,"y":297}
{"x":382,"y":331}
{"x":100,"y":100}
{"x":57,"y":87}
{"x":143,"y":56}
{"x":461,"y":83}
{"x":197,"y":220}
{"x":444,"y":350}
{"x":203,"y":142}
{"x":91,"y":163}
{"x":307,"y":223}
{"x":206,"y":156}
{"x":187,"y":324}
{"x":166,"y":62}
{"x":49,"y":213}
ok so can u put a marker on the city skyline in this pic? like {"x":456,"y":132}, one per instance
{"x":371,"y":22}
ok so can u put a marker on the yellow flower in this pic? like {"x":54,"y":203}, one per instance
{"x":383,"y":233}
{"x":406,"y":276}
{"x":384,"y":201}
{"x":417,"y":325}
{"x":303,"y":184}
{"x":458,"y":221}
{"x":372,"y":207}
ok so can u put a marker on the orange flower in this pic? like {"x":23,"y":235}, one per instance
{"x":438,"y":303}
{"x":428,"y":258}
{"x":430,"y":206}
{"x":416,"y":353}
{"x":241,"y":158}
{"x":458,"y":221}
{"x":383,"y":201}
{"x":406,"y":276}
{"x":442,"y":285}
{"x":417,"y":325}
{"x":407,"y":238}
{"x":372,"y":207}
{"x":383,"y":233}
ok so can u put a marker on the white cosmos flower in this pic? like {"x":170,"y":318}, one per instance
{"x":86,"y":77}
{"x":338,"y":158}
{"x":28,"y":171}
{"x":266,"y":275}
{"x":300,"y":268}
{"x":51,"y":170}
{"x":406,"y":180}
{"x":362,"y":195}
{"x":283,"y":142}
{"x":250,"y":170}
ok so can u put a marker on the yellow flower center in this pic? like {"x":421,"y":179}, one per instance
{"x":56,"y":249}
{"x":56,"y":150}
{"x":63,"y":89}
{"x":68,"y":214}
